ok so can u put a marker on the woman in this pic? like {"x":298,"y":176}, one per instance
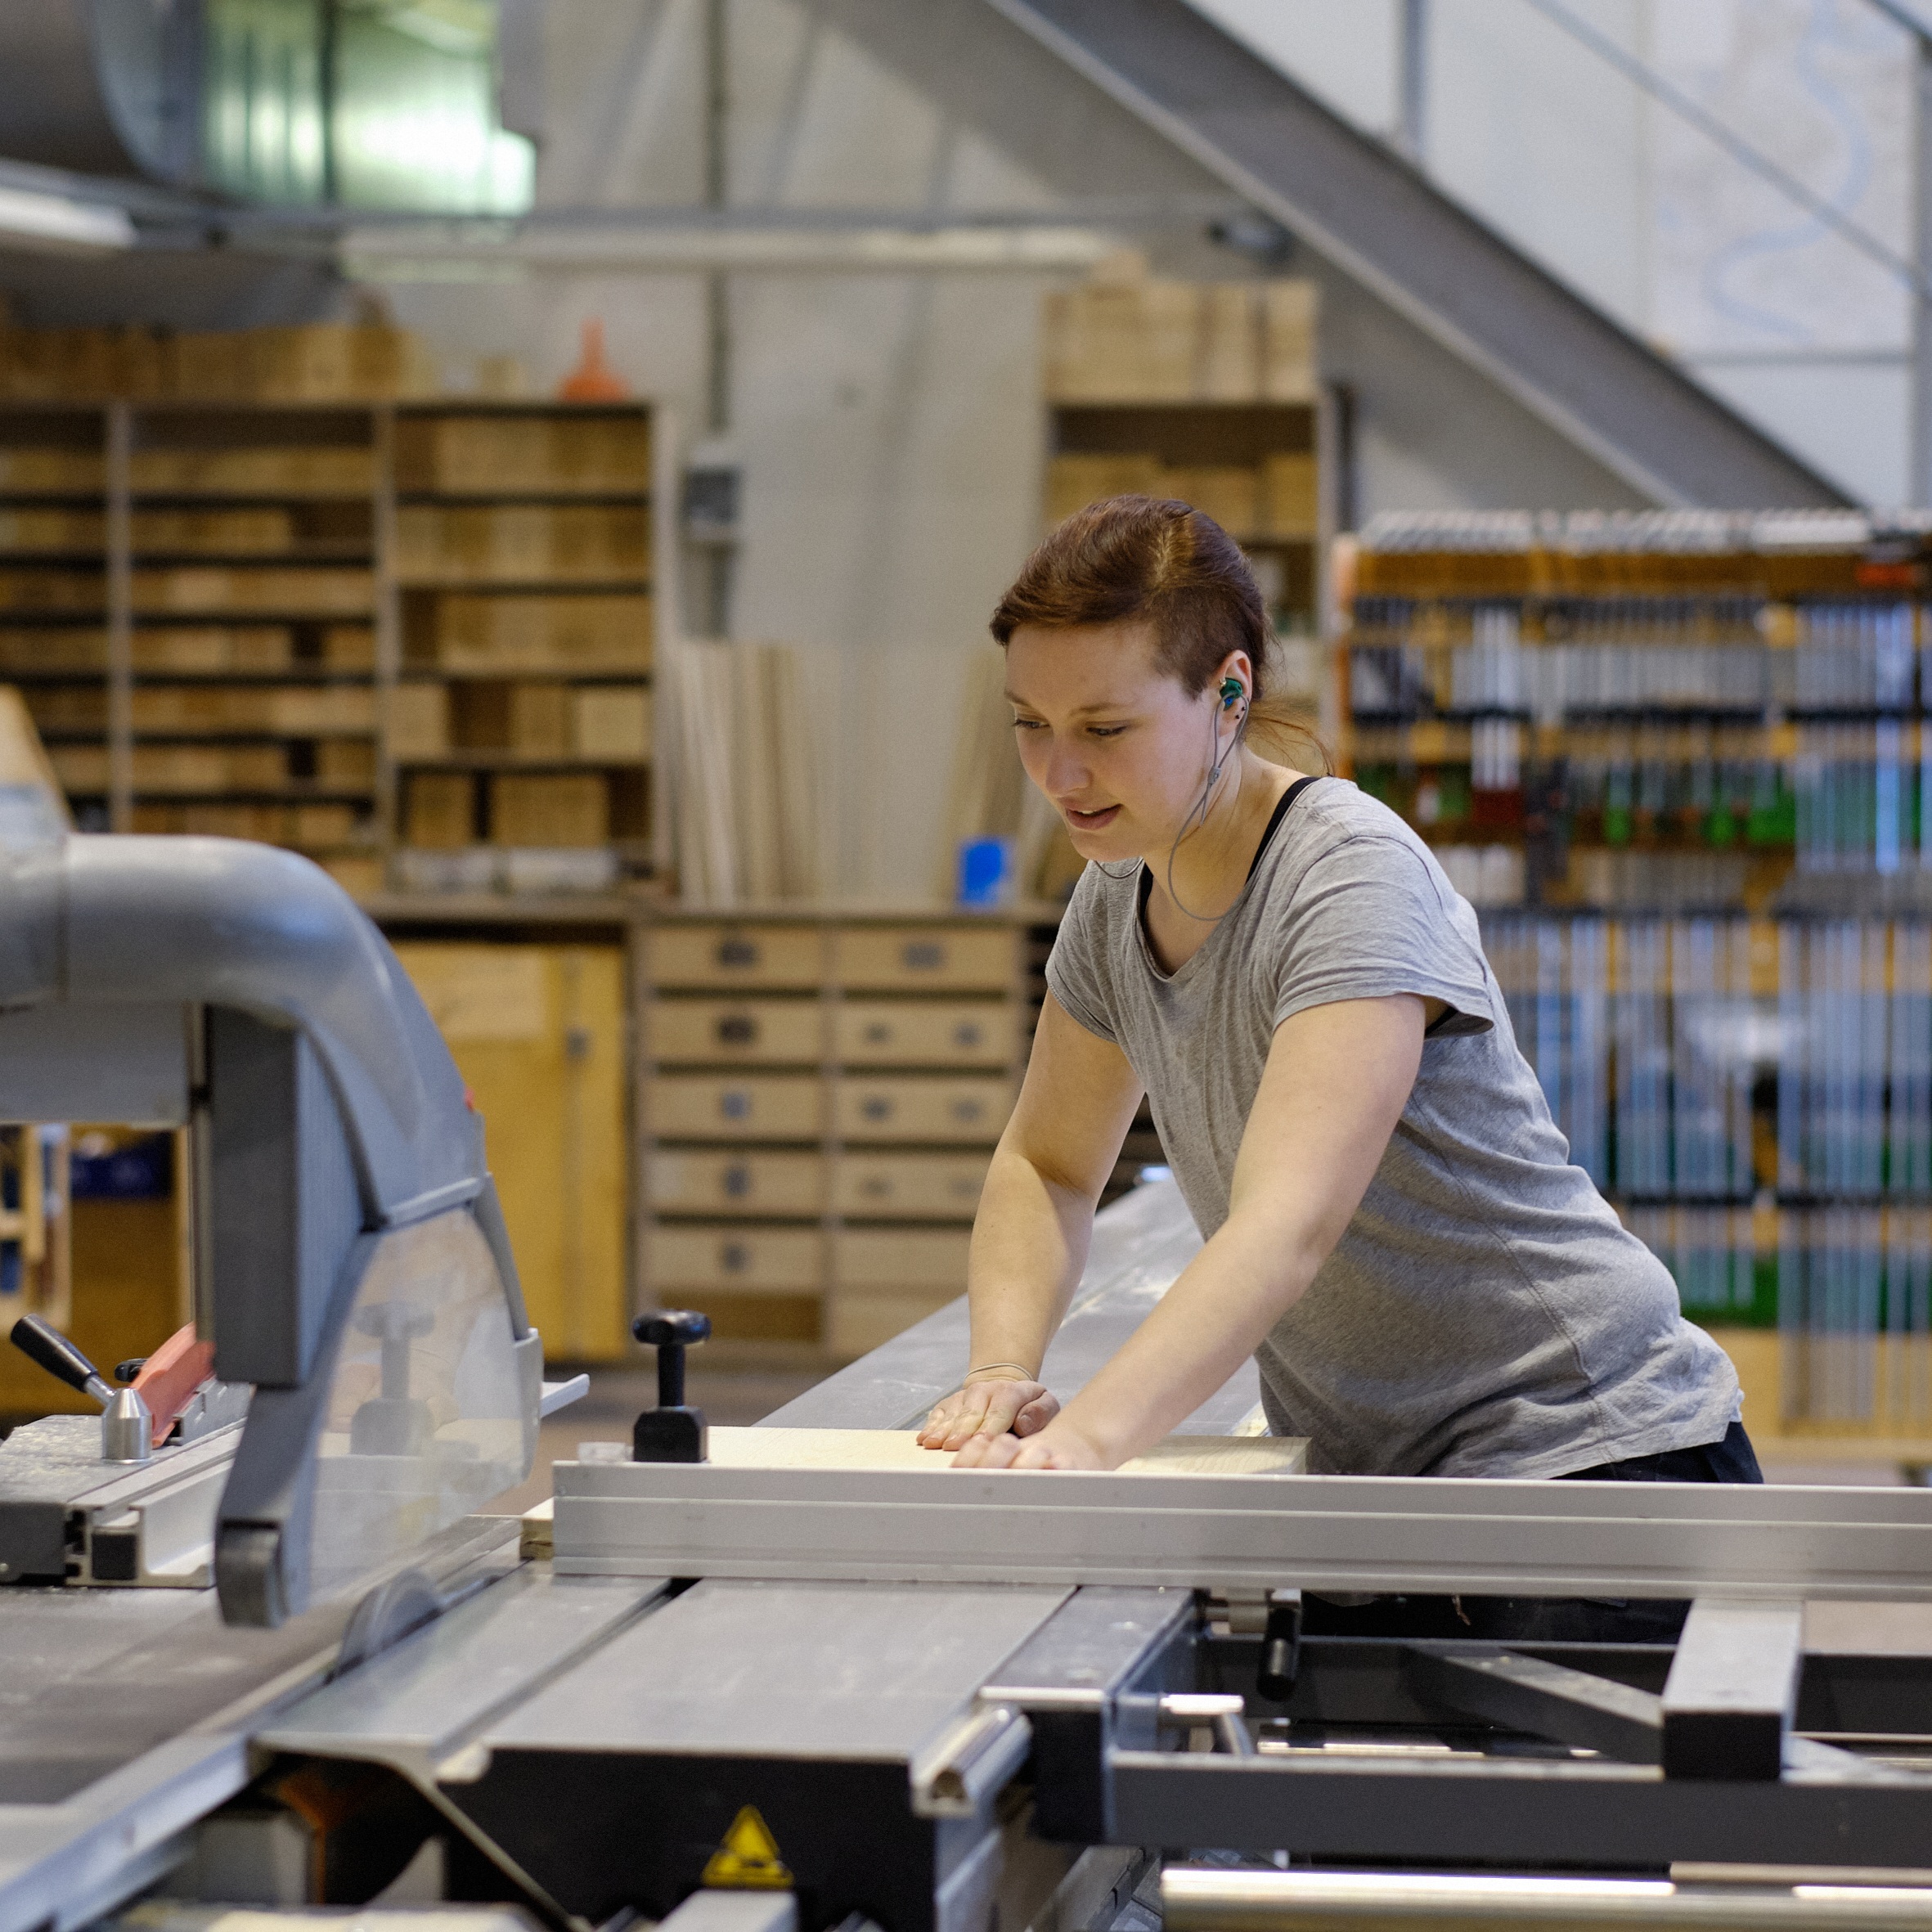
{"x":1393,"y":1227}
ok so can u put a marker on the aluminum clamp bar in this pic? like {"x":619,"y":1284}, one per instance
{"x":1385,"y":1534}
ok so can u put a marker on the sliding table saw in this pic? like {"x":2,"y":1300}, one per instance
{"x":762,"y":1699}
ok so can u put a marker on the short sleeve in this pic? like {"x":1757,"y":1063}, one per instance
{"x":1077,"y":972}
{"x":1369,"y":919}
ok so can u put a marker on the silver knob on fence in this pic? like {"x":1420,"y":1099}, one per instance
{"x":127,"y":1429}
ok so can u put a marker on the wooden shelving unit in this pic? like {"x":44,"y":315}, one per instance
{"x":530,"y":545}
{"x":1209,"y":393}
{"x":415,"y":641}
{"x":54,"y":587}
{"x":248,"y":623}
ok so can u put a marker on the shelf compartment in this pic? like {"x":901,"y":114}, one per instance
{"x":490,"y":451}
{"x":302,"y":473}
{"x":516,"y":634}
{"x":263,"y":590}
{"x":523,"y":543}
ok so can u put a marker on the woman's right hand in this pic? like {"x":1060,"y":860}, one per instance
{"x":991,"y":1406}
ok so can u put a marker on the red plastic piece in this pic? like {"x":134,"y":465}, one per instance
{"x":171,"y":1375}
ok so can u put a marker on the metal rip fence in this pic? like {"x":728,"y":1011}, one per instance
{"x":1756,"y":1098}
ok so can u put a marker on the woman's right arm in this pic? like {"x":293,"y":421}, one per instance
{"x":1035,"y":1216}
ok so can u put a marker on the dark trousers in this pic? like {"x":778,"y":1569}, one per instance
{"x":1551,"y":1619}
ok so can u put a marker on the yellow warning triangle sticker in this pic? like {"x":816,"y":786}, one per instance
{"x":747,"y":1861}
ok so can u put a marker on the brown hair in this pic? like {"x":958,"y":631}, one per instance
{"x":1130,"y":559}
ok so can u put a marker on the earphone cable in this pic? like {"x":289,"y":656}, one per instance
{"x":1202,"y":807}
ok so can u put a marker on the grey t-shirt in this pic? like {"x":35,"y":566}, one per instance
{"x":1485,"y":1312}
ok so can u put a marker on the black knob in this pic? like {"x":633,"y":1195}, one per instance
{"x":671,"y":1331}
{"x":42,"y":1342}
{"x":670,"y":1432}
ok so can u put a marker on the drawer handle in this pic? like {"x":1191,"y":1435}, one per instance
{"x":968,"y":1110}
{"x":875,"y":1187}
{"x":967,"y":1033}
{"x":922,"y":955}
{"x":738,"y":1183}
{"x":737,"y":1029}
{"x":734,"y":1257}
{"x":734,"y":1105}
{"x":736,"y":952}
{"x":878,"y":1033}
{"x":875,"y":1107}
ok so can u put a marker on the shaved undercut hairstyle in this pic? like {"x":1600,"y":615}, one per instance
{"x":1134,"y":559}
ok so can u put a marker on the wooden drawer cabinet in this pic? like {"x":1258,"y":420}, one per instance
{"x":764,"y":1032}
{"x":908,"y":1186}
{"x":731,"y":1107}
{"x":926,"y":1033}
{"x":773,"y":1261}
{"x":704,"y":956}
{"x":930,"y":1260}
{"x":821,"y":1095}
{"x":749,"y":1184}
{"x":925,"y":959}
{"x":855,"y":1323}
{"x":889,"y":1108}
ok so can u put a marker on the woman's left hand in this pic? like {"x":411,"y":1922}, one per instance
{"x":1060,"y":1445}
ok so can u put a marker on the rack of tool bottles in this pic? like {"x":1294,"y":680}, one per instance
{"x":1755,"y":1096}
{"x":1683,"y":760}
{"x":1673,"y":707}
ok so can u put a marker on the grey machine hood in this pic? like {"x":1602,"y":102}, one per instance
{"x":350,"y":1256}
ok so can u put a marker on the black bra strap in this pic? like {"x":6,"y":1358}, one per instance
{"x":1280,"y":811}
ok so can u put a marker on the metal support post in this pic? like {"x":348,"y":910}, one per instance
{"x":1411,"y":130}
{"x":1919,"y":483}
{"x":1733,"y":1689}
{"x":120,"y":619}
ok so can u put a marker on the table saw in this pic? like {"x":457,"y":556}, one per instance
{"x":745,"y":1697}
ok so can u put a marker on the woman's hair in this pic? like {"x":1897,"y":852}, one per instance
{"x":1128,"y":559}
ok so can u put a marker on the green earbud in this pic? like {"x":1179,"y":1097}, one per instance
{"x":1231,"y":692}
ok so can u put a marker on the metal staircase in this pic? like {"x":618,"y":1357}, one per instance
{"x":1373,"y":215}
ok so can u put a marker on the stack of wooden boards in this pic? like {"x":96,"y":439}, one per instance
{"x":750,"y":729}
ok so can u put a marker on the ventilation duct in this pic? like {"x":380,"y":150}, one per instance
{"x":364,"y":104}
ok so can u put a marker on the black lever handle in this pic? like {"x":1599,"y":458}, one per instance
{"x":671,"y":1331}
{"x":671,"y":1432}
{"x":40,"y":1341}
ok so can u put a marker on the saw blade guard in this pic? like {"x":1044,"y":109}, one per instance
{"x":427,"y":1418}
{"x":351,"y":1260}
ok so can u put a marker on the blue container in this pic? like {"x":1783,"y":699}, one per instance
{"x":985,"y":871}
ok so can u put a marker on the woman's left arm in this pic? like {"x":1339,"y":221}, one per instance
{"x":1336,"y":1080}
